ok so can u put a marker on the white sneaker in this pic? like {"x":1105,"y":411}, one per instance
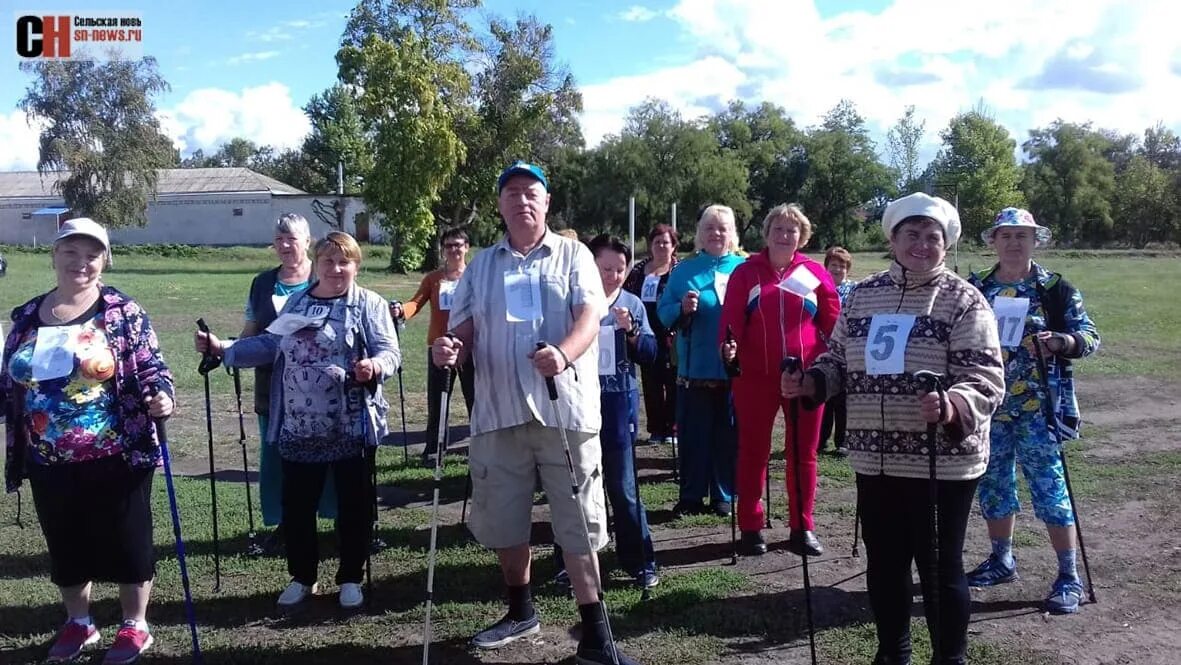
{"x":296,"y":593}
{"x":350,"y":595}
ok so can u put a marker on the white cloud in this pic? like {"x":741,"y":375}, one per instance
{"x":209,"y":117}
{"x":257,"y":56}
{"x":20,"y":141}
{"x":941,"y":56}
{"x":606,"y":104}
{"x":637,"y":14}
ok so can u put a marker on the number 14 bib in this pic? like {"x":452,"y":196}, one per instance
{"x":885,"y":352}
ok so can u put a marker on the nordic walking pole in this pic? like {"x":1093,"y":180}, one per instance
{"x":162,"y":435}
{"x":1051,"y":417}
{"x":444,"y":416}
{"x":375,"y":544}
{"x":208,"y":364}
{"x":645,"y":592}
{"x":253,"y":548}
{"x":792,"y":365}
{"x":552,"y":387}
{"x":856,"y":526}
{"x":733,"y":370}
{"x":19,"y":522}
{"x":402,"y":399}
{"x":930,"y":382}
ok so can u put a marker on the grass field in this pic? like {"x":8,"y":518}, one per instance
{"x":703,"y":612}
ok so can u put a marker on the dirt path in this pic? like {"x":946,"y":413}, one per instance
{"x":1131,"y":541}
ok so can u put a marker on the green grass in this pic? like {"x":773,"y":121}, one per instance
{"x":697,"y":615}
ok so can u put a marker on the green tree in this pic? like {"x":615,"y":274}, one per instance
{"x":100,"y":126}
{"x":1162,"y":147}
{"x":524,"y":106}
{"x":661,"y":159}
{"x":337,"y":135}
{"x":1069,"y":182}
{"x":766,"y":141}
{"x":844,"y":179}
{"x":401,"y":102}
{"x":1146,"y":203}
{"x":977,"y":167}
{"x":903,"y":142}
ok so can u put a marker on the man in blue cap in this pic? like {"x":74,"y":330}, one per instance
{"x":533,"y":287}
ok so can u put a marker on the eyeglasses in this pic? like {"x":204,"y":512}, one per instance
{"x":454,"y":245}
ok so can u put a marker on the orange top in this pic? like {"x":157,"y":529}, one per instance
{"x":429,"y":292}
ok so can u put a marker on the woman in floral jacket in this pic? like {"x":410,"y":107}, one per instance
{"x":81,"y":381}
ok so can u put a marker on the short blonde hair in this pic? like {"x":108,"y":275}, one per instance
{"x":791,"y":212}
{"x":725,"y":215}
{"x":342,"y":241}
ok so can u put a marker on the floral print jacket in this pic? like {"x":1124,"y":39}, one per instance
{"x":139,"y":373}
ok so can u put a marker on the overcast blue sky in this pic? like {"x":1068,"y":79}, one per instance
{"x":246,"y":68}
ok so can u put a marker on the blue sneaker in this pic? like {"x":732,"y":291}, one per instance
{"x":506,"y":630}
{"x":1065,"y":596}
{"x":992,"y":572}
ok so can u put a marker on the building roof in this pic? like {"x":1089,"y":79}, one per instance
{"x":31,"y":184}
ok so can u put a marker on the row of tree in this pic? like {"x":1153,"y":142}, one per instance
{"x":425,"y":113}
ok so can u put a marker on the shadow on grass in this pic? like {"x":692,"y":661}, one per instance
{"x":458,"y":433}
{"x":452,"y":651}
{"x":396,"y":593}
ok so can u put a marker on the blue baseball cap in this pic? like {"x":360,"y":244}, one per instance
{"x":523,"y":168}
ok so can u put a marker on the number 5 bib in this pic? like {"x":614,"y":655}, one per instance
{"x":885,"y":353}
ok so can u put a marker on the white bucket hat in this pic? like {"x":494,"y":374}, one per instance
{"x":1017,"y":218}
{"x":922,"y":205}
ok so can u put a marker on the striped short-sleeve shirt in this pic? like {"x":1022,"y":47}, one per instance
{"x":510,"y":391}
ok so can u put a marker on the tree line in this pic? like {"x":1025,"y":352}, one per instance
{"x":426,"y":111}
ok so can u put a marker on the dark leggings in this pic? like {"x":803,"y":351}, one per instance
{"x":896,"y":523}
{"x":302,"y":485}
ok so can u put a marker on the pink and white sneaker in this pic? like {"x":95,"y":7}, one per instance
{"x":130,"y":643}
{"x":71,"y":640}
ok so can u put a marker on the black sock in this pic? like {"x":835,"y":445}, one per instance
{"x":520,"y":602}
{"x":594,"y":626}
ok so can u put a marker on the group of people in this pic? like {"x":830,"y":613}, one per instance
{"x":722,"y":341}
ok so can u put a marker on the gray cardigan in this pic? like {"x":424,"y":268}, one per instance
{"x":366,"y":315}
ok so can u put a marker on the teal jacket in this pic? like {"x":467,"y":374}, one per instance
{"x":697,"y":343}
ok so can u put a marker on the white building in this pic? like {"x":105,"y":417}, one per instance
{"x":223,"y":206}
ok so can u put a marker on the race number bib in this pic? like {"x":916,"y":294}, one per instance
{"x":1010,"y":319}
{"x":607,"y":350}
{"x":885,"y":353}
{"x":650,"y":287}
{"x":522,"y":296}
{"x":446,"y":295}
{"x":720,"y":282}
{"x":53,"y":352}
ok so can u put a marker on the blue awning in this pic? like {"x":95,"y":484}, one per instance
{"x":52,"y":210}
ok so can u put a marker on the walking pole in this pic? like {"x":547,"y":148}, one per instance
{"x":19,"y":522}
{"x":253,"y":548}
{"x":792,"y":365}
{"x":1052,"y":423}
{"x":162,"y":435}
{"x":856,"y":525}
{"x":375,"y":543}
{"x":444,"y":417}
{"x":208,"y":364}
{"x":734,"y":370}
{"x":645,"y":592}
{"x":552,"y":387}
{"x":402,"y":400}
{"x":933,"y":382}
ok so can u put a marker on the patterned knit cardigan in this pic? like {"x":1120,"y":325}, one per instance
{"x":954,"y":334}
